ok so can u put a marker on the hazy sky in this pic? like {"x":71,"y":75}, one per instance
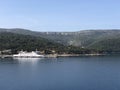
{"x":60,"y":15}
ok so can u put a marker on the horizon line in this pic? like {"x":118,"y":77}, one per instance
{"x":59,"y":31}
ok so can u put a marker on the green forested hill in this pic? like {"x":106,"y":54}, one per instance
{"x":81,"y":38}
{"x":108,"y":44}
{"x":17,"y":42}
{"x":103,"y":40}
{"x":26,"y":42}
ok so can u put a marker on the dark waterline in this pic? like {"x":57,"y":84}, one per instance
{"x":69,"y":73}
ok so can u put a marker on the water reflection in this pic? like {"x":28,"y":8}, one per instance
{"x":28,"y":60}
{"x":34,"y":60}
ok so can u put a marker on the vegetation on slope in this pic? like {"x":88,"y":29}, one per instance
{"x":87,"y":41}
{"x":108,"y":45}
{"x":18,"y":42}
{"x":82,"y":38}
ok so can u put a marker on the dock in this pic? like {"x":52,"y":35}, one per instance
{"x":51,"y":56}
{"x":6,"y":56}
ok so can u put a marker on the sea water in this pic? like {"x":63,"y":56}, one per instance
{"x":64,"y":73}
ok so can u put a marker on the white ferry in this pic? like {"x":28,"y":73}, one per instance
{"x":23,"y":54}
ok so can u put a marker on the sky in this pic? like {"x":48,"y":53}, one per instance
{"x":60,"y":15}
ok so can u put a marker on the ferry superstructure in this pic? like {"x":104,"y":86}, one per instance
{"x":23,"y":54}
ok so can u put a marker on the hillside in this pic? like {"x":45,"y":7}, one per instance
{"x":107,"y":40}
{"x":18,"y":42}
{"x":108,"y":44}
{"x":80,"y":38}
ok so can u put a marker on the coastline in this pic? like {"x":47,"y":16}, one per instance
{"x":58,"y":55}
{"x":78,"y":55}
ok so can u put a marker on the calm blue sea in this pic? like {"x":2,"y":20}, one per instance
{"x":66,"y":73}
